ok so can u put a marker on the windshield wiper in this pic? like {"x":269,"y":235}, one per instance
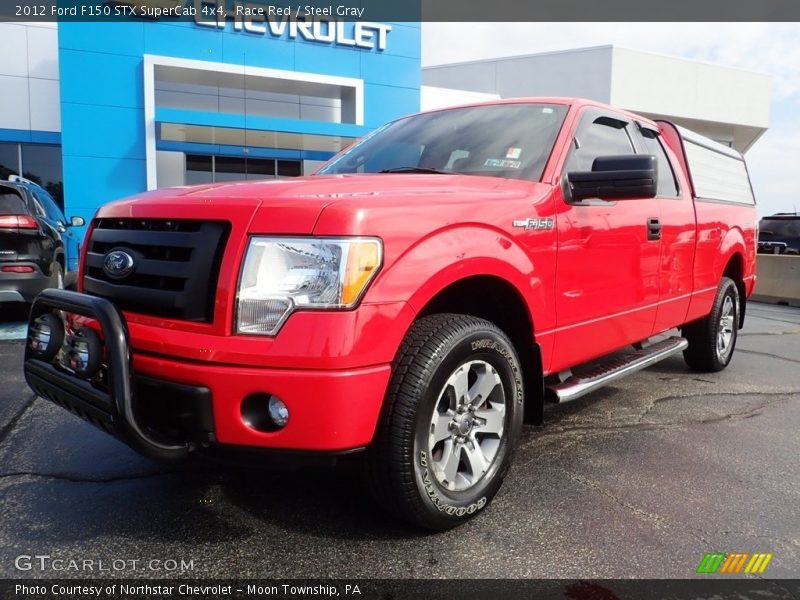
{"x":415,"y":170}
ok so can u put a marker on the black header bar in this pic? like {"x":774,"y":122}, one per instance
{"x":633,"y":11}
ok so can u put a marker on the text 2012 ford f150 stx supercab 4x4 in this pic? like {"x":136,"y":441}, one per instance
{"x":426,"y":290}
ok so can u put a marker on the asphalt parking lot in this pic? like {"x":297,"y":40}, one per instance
{"x":640,"y":479}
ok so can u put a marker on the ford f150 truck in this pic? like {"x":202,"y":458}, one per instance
{"x":419,"y":296}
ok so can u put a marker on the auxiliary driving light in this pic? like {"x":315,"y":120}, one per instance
{"x":46,"y":335}
{"x":82,"y":353}
{"x":278,"y":411}
{"x":265,"y":412}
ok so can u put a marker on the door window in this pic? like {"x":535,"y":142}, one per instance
{"x":667,"y":185}
{"x":53,"y":212}
{"x":36,"y":206}
{"x":598,"y":135}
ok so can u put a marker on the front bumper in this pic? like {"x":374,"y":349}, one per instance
{"x":167,"y":408}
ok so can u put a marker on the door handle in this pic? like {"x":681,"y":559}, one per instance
{"x":653,"y":229}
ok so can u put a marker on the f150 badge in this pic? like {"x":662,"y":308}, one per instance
{"x":529,"y":223}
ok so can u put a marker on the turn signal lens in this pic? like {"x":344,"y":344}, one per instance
{"x":363,"y":259}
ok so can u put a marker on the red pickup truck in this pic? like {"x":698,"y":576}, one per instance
{"x":424,"y":292}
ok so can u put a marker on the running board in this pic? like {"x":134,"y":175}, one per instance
{"x":596,"y":377}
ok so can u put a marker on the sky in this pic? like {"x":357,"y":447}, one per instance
{"x":772,"y":48}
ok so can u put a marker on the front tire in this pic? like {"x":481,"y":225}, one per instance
{"x":712,"y":339}
{"x":57,"y":276}
{"x":451,"y":419}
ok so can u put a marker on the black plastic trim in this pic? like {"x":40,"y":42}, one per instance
{"x":176,"y":266}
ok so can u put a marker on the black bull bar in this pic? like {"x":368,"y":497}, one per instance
{"x":110,"y":407}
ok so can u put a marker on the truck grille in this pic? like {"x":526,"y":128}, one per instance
{"x":176,"y":266}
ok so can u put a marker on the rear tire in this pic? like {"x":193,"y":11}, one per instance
{"x":452,"y":416}
{"x":712,"y":339}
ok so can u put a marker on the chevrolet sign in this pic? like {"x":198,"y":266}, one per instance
{"x":283,"y":22}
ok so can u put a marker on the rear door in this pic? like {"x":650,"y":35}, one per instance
{"x":607,"y":282}
{"x":678,"y":234}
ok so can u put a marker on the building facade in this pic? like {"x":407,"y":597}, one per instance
{"x":100,"y":111}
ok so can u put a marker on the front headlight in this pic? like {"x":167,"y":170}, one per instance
{"x":281,"y":275}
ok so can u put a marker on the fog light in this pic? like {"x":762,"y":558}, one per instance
{"x":278,"y":411}
{"x":264,"y":412}
{"x":82,"y":353}
{"x":45,"y":335}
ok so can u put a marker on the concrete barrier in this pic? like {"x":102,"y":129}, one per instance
{"x":778,"y":279}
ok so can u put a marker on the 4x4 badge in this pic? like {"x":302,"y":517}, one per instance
{"x":530,"y":223}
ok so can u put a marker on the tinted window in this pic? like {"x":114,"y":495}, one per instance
{"x":289,"y":168}
{"x":208,"y":169}
{"x":199,"y":169}
{"x":38,"y":207}
{"x":229,"y":168}
{"x":260,"y":168}
{"x":779,"y":228}
{"x":11,"y":203}
{"x":666,"y":176}
{"x":503,"y":140}
{"x":53,"y":212}
{"x":598,"y":136}
{"x":9,"y":160}
{"x":42,"y":165}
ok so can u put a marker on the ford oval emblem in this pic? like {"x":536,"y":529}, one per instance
{"x":118,"y":264}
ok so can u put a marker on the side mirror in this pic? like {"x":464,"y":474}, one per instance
{"x":616,"y":178}
{"x":77,"y":221}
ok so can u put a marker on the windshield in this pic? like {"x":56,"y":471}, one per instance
{"x":501,"y":140}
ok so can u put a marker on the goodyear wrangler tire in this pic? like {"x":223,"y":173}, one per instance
{"x":451,"y":419}
{"x":712,"y":339}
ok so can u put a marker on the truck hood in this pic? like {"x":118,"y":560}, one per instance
{"x":293,"y":206}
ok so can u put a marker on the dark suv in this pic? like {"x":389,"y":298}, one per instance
{"x":38,"y":248}
{"x":779,"y":234}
